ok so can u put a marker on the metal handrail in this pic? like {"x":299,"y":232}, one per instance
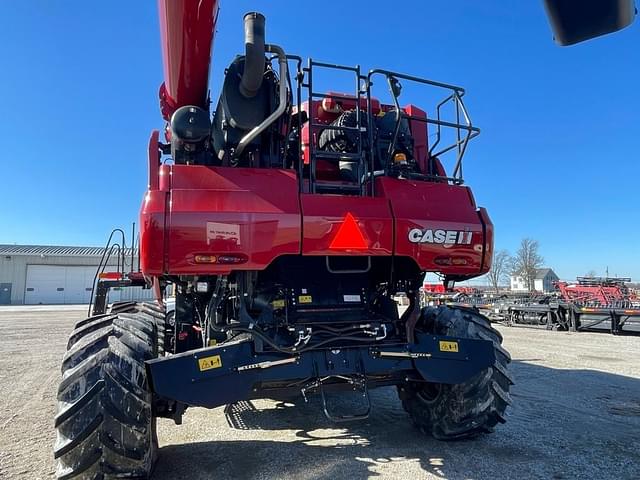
{"x":463,"y":121}
{"x":464,"y":128}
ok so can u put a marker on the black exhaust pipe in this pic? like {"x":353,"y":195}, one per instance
{"x":254,"y":54}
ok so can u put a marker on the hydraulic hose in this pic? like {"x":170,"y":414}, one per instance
{"x":259,"y":333}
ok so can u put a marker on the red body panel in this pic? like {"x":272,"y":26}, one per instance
{"x":324,"y":214}
{"x":258,"y":214}
{"x":187,"y":28}
{"x":488,"y":238}
{"x":154,"y":161}
{"x":246,"y":212}
{"x":436,"y":206}
{"x":152,"y":231}
{"x":419,"y":134}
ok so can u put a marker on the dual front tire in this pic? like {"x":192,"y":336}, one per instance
{"x":105,"y":421}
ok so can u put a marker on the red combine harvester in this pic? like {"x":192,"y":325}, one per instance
{"x":286,"y":224}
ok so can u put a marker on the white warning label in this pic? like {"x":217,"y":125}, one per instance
{"x":351,"y":298}
{"x":223,"y":231}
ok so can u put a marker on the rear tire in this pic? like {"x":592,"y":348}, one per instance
{"x":452,"y":412}
{"x":105,"y":422}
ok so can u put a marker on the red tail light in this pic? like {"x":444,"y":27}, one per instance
{"x":110,"y":276}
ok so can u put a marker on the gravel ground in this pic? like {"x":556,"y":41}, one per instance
{"x":576,"y":414}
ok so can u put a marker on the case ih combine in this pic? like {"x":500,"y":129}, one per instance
{"x":286,"y":224}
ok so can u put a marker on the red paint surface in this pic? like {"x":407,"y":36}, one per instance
{"x":427,"y":205}
{"x":324,"y":215}
{"x":152,"y":231}
{"x":258,"y":213}
{"x":213,"y":211}
{"x":187,"y":28}
{"x":154,"y":161}
{"x":419,"y":134}
{"x":488,"y":239}
{"x":593,"y":295}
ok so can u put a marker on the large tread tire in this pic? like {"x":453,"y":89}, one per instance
{"x":105,"y":423}
{"x":155,"y":310}
{"x":122,"y":306}
{"x":454,"y":412}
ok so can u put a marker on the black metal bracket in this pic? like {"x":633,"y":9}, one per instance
{"x":234,"y":371}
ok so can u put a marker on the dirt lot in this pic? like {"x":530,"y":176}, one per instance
{"x":576,"y":415}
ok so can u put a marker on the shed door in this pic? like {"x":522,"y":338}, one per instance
{"x":57,"y":284}
{"x":5,"y":293}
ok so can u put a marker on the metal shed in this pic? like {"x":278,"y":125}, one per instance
{"x":46,"y":274}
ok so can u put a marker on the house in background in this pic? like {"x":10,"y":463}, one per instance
{"x":544,"y":281}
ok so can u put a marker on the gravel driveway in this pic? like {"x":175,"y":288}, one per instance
{"x":576,"y":415}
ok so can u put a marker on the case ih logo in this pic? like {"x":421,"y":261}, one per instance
{"x":449,"y":237}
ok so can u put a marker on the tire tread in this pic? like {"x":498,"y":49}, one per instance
{"x":474,"y":407}
{"x":104,"y":421}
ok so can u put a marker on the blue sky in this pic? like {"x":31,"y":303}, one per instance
{"x":556,"y":161}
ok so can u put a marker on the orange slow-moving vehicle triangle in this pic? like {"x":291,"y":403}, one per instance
{"x":349,"y":235}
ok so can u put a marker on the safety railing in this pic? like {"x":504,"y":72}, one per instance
{"x":460,"y":124}
{"x":454,"y":128}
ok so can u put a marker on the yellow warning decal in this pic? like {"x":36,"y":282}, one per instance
{"x":448,"y":346}
{"x":305,"y":299}
{"x":277,"y":304}
{"x":208,"y":363}
{"x":213,"y":342}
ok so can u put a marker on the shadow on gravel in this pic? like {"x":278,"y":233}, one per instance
{"x":565,"y":424}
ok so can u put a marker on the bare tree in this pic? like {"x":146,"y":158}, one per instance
{"x":590,"y":274}
{"x":527,"y":261}
{"x":500,"y":267}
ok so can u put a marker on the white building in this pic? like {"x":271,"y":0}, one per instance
{"x":544,"y":281}
{"x":45,"y":274}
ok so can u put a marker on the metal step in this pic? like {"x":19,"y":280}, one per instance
{"x":347,"y":157}
{"x":336,"y":187}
